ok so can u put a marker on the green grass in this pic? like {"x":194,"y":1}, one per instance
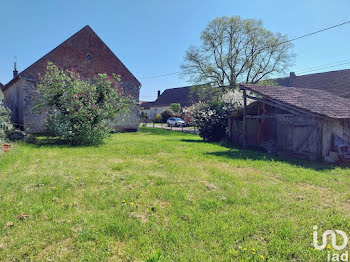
{"x":185,"y":200}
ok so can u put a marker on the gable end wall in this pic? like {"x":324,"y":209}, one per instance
{"x":20,"y":98}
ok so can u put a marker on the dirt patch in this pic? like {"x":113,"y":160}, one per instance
{"x":145,"y":162}
{"x":161,"y":204}
{"x":327,"y":197}
{"x":22,"y":216}
{"x":9,"y":224}
{"x":130,"y":186}
{"x":58,"y":250}
{"x":209,"y":186}
{"x":119,"y":252}
{"x":310,"y":187}
{"x":116,"y":161}
{"x":142,"y":217}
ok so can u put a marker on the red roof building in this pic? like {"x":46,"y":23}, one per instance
{"x":84,"y":52}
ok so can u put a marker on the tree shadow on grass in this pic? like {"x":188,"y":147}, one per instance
{"x":233,"y":152}
{"x":44,"y":140}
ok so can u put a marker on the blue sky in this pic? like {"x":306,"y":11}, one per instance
{"x":151,"y":37}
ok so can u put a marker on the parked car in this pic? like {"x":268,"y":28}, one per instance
{"x":175,"y":121}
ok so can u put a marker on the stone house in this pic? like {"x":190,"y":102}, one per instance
{"x":145,"y":107}
{"x":84,"y":52}
{"x":185,"y":96}
{"x":334,"y":82}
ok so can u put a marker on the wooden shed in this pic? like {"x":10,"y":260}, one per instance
{"x":307,"y":123}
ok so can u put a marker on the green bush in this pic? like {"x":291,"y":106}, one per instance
{"x":5,"y":121}
{"x":212,"y":119}
{"x":166,"y":114}
{"x":78,"y":110}
{"x":175,"y":107}
{"x":158,"y":118}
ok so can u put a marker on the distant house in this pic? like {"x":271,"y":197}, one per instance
{"x":145,"y":107}
{"x":86,"y":53}
{"x":304,"y":122}
{"x":185,"y":96}
{"x":334,"y":82}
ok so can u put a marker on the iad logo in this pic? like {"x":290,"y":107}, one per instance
{"x":332,"y":256}
{"x":333,"y":237}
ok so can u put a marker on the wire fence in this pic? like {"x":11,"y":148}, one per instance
{"x":184,"y":129}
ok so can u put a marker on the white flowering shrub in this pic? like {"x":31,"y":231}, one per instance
{"x":233,"y":97}
{"x":212,"y":119}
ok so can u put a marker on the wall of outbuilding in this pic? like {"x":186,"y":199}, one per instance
{"x":302,"y":136}
{"x":14,"y":100}
{"x":339,"y":127}
{"x":20,"y":98}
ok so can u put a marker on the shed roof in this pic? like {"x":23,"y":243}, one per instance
{"x":86,"y":53}
{"x":310,"y":100}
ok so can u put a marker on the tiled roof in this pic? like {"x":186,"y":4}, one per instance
{"x":335,"y":82}
{"x":310,"y":100}
{"x":146,"y":105}
{"x":76,"y":52}
{"x":182,"y":95}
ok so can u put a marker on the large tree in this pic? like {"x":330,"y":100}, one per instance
{"x":235,"y":50}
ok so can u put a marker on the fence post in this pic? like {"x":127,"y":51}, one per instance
{"x":171,"y":126}
{"x":153,"y":123}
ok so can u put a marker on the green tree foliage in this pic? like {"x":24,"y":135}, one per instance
{"x":235,"y":50}
{"x":5,"y":121}
{"x":166,"y":114}
{"x":143,"y":116}
{"x":175,"y":107}
{"x":79,"y":111}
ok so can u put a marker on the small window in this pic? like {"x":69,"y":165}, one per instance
{"x":89,"y":56}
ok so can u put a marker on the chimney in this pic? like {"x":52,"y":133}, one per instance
{"x":292,"y":76}
{"x":15,"y":72}
{"x":158,"y":93}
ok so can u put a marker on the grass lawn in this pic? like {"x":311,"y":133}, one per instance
{"x":158,"y":195}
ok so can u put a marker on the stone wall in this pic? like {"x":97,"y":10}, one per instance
{"x":131,"y":120}
{"x":20,"y":98}
{"x":14,"y":101}
{"x":34,"y":121}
